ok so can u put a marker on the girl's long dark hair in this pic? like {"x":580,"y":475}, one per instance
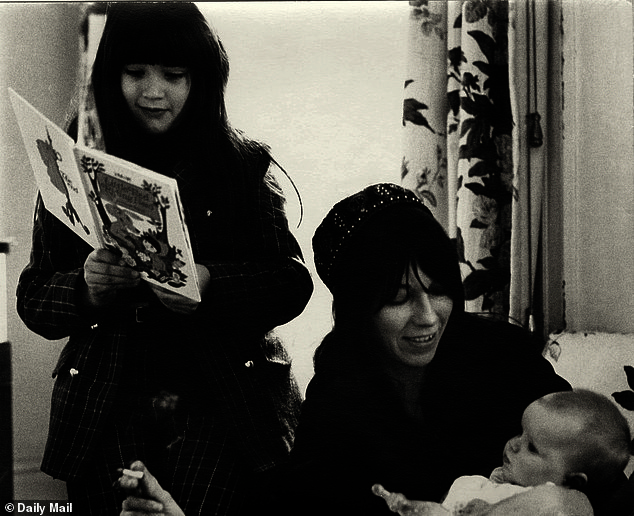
{"x":370,"y":272}
{"x":172,"y":34}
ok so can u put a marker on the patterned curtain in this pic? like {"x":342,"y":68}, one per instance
{"x":466,"y":152}
{"x":93,"y":18}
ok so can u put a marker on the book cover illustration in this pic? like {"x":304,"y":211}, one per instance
{"x":52,"y":157}
{"x":110,"y":202}
{"x":138,"y":211}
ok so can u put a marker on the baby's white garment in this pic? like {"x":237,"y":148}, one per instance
{"x":468,"y":488}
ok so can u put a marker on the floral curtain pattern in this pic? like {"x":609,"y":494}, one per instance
{"x":425,"y":168}
{"x":459,"y":122}
{"x":89,"y":129}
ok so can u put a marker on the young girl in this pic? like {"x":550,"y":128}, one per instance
{"x":577,"y":440}
{"x":202,"y":393}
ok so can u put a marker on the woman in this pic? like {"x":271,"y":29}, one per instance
{"x":201,"y":392}
{"x":409,"y":390}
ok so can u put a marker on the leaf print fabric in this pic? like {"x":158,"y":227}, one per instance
{"x":458,"y":136}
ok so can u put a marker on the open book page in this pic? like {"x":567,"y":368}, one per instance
{"x":51,"y":153}
{"x":140,"y":214}
{"x":110,"y":202}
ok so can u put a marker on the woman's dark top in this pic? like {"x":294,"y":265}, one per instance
{"x":354,"y":433}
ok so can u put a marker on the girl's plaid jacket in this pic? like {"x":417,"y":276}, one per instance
{"x":258,"y":281}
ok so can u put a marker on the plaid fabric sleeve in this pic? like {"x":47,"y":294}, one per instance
{"x":47,"y":288}
{"x":273,"y":285}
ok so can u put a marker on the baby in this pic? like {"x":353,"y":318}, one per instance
{"x":574,"y":439}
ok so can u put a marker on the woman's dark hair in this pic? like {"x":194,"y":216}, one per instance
{"x":171,"y":34}
{"x":370,"y":272}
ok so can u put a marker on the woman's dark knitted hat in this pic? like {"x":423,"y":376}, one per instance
{"x":346,"y":217}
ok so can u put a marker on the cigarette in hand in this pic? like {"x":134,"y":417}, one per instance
{"x":133,"y":474}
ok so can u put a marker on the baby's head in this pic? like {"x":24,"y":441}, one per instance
{"x":578,"y":439}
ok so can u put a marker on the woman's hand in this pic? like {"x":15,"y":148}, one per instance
{"x":149,"y":498}
{"x":401,"y":505}
{"x":105,"y":274}
{"x":178,"y":303}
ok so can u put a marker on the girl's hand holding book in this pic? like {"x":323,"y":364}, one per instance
{"x":104,"y":275}
{"x":178,"y":303}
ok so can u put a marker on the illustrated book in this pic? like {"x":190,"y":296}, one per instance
{"x":111,"y":203}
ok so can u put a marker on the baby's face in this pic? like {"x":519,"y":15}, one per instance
{"x":542,"y":452}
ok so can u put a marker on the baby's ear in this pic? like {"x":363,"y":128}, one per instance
{"x":576,"y":481}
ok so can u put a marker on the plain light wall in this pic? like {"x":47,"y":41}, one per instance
{"x":598,"y":166}
{"x":292,"y":86}
{"x":38,"y":59}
